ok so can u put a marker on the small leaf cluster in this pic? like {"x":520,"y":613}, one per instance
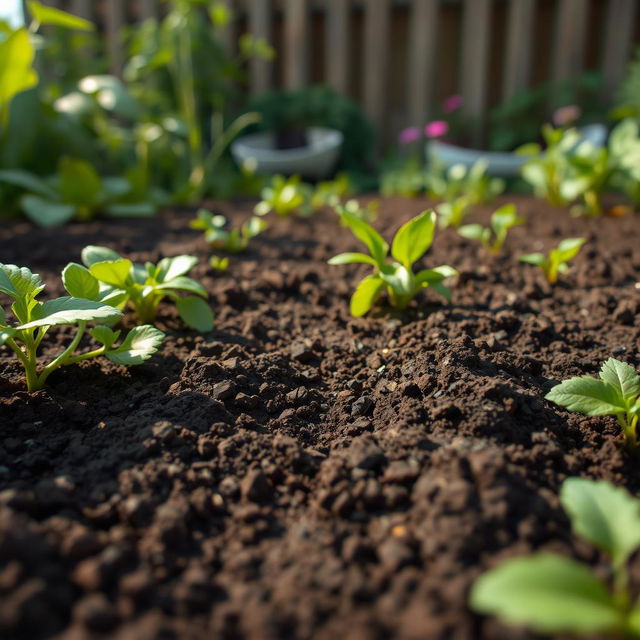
{"x":494,"y":236}
{"x":285,"y":196}
{"x":557,"y":260}
{"x":34,"y":319}
{"x":473,"y":183}
{"x":553,"y":594}
{"x":106,"y":276}
{"x":615,"y":393}
{"x":452,"y":214}
{"x":229,"y":240}
{"x":397,"y":278}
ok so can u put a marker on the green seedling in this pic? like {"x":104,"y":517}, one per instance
{"x":553,"y":594}
{"x":494,"y":236}
{"x":452,"y":214}
{"x":368,"y":213}
{"x":557,"y":261}
{"x":219,"y":263}
{"x":232,"y":240}
{"x":34,"y":319}
{"x":473,"y":184}
{"x":142,"y":287}
{"x":284,"y":197}
{"x":410,"y":243}
{"x":615,"y":393}
{"x":331,"y":192}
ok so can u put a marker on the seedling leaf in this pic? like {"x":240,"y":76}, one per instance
{"x":588,"y":395}
{"x":79,"y":282}
{"x":19,"y":282}
{"x":196,"y":313}
{"x":170,"y":268}
{"x":104,"y":335}
{"x":69,"y":310}
{"x":622,"y":377}
{"x":367,"y":235}
{"x":414,"y":238}
{"x":93,"y":254}
{"x":112,"y":272}
{"x":350,"y":258}
{"x":138,"y":346}
{"x":365,"y":295}
{"x":46,"y":213}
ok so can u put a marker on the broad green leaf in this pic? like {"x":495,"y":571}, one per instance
{"x":19,"y":282}
{"x":5,"y":334}
{"x":622,"y":376}
{"x":68,"y":310}
{"x":114,"y":187}
{"x":56,"y":17}
{"x":607,"y":516}
{"x":471,"y":231}
{"x":254,"y":227}
{"x":104,"y":335}
{"x":79,"y":282}
{"x":367,"y":235}
{"x":443,"y":290}
{"x":414,"y":238}
{"x":113,"y":272}
{"x":46,"y":213}
{"x":548,"y":593}
{"x":350,"y":258}
{"x":428,"y":277}
{"x":171,"y":268}
{"x":92,"y":254}
{"x":29,"y":182}
{"x":138,"y":346}
{"x":196,"y":313}
{"x":505,"y":217}
{"x":533,"y":258}
{"x":588,"y":395}
{"x":365,"y":295}
{"x":16,"y":69}
{"x":78,"y":182}
{"x":182,"y":283}
{"x":400,"y":279}
{"x":567,"y":249}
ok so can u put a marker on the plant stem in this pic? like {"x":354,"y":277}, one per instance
{"x":62,"y":359}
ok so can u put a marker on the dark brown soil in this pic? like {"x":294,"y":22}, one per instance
{"x":297,"y":473}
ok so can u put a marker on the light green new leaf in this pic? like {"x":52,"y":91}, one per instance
{"x":78,"y":182}
{"x":29,"y":182}
{"x":196,"y":313}
{"x":350,"y":258}
{"x":19,"y":282}
{"x":79,"y":282}
{"x":182,"y":283}
{"x":429,"y":277}
{"x":605,"y":515}
{"x":472,"y":231}
{"x":567,"y":249}
{"x":92,"y":254}
{"x":113,"y":272}
{"x":537,"y":259}
{"x":505,"y":217}
{"x":16,"y":69}
{"x":621,"y":376}
{"x":367,"y":235}
{"x":68,"y":310}
{"x":588,"y":395}
{"x":414,"y":238}
{"x":548,"y":593}
{"x":104,"y":335}
{"x":5,"y":334}
{"x":55,"y":17}
{"x":170,"y":268}
{"x":365,"y":295}
{"x":46,"y":213}
{"x":138,"y":346}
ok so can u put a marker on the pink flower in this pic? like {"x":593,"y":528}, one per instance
{"x":436,"y":129}
{"x":565,"y":116}
{"x":452,"y":103}
{"x":409,"y":135}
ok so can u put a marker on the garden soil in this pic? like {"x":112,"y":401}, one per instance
{"x":298,"y":473}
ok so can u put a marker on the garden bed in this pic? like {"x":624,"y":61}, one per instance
{"x":298,"y":473}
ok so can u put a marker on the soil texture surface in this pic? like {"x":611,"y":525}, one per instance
{"x":297,"y":473}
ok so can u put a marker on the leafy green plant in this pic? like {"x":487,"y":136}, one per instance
{"x":406,"y":180}
{"x":143,"y":287}
{"x":624,"y":150}
{"x":76,"y":191}
{"x":553,"y":594}
{"x":219,"y":263}
{"x":368,"y":213}
{"x":494,"y":236}
{"x":232,"y":240}
{"x":452,"y":214}
{"x":397,"y":278}
{"x":285,"y":196}
{"x":473,"y":183}
{"x":34,"y":319}
{"x":557,"y":260}
{"x":615,"y":393}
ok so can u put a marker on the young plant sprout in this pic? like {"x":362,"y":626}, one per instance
{"x":284,"y":197}
{"x":142,"y":287}
{"x":553,"y":594}
{"x":615,"y":393}
{"x":233,"y":240}
{"x":34,"y":319}
{"x":556,"y":262}
{"x":452,"y":214}
{"x":410,"y":243}
{"x":459,"y":181}
{"x":494,"y":236}
{"x":219,"y":263}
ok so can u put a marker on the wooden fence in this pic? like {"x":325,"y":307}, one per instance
{"x":401,"y":57}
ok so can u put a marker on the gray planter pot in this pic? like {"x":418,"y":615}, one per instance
{"x":313,"y":161}
{"x":502,"y":164}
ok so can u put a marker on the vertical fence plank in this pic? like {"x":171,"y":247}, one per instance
{"x":618,"y":35}
{"x":260,"y":26}
{"x":148,"y":9}
{"x":337,"y":44}
{"x":295,"y":43}
{"x":114,"y":22}
{"x":475,"y":57}
{"x":517,"y":68}
{"x":422,"y":50}
{"x":568,"y":47}
{"x":376,"y":47}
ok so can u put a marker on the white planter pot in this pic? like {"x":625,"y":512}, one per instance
{"x":499,"y":163}
{"x":313,"y":161}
